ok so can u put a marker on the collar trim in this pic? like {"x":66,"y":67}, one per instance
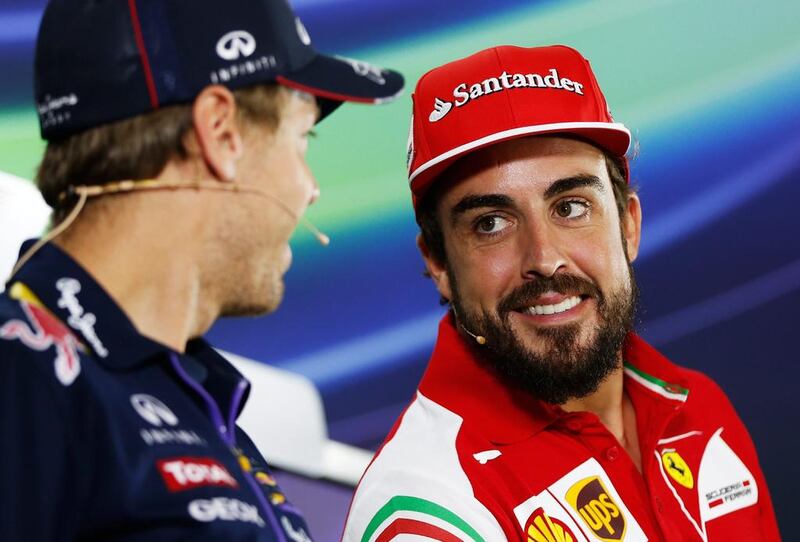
{"x":656,"y":385}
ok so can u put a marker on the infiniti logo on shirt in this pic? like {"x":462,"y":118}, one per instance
{"x":152,"y":410}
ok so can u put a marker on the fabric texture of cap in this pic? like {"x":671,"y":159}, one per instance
{"x":500,"y":94}
{"x":98,"y":61}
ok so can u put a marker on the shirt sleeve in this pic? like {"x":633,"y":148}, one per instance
{"x":38,"y":464}
{"x":397,"y":503}
{"x":735,"y":433}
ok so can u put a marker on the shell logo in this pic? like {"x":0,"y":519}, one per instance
{"x":542,"y":528}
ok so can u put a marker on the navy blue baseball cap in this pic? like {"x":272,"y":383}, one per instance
{"x":99,"y":61}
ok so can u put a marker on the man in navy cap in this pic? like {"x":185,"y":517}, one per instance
{"x":176,"y":167}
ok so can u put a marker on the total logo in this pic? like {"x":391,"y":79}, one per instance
{"x":153,"y":410}
{"x":597,"y":509}
{"x":542,"y":528}
{"x":224,"y":509}
{"x":464,"y":93}
{"x":235,"y":45}
{"x":182,"y":473}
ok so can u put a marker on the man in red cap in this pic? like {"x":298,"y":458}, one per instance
{"x":542,"y":415}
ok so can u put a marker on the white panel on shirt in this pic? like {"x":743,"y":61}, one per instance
{"x":417,"y":480}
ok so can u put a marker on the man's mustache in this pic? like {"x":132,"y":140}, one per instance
{"x":524,"y":295}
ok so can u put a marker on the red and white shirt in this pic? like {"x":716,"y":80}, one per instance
{"x":474,"y":460}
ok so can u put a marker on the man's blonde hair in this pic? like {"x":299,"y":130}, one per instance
{"x":138,"y":147}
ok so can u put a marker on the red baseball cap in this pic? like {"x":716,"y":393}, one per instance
{"x":503,"y":93}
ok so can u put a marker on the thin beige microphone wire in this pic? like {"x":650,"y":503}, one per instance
{"x":86,"y":192}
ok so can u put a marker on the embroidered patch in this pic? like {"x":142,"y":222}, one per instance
{"x":677,"y":468}
{"x":43,"y":332}
{"x":594,"y":503}
{"x":182,"y":473}
{"x":542,"y":518}
{"x":724,"y":482}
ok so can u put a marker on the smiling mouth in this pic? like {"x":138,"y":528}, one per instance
{"x":557,"y":308}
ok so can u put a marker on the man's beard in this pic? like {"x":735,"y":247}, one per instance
{"x":565,"y":370}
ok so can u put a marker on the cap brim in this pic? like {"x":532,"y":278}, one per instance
{"x":334,"y":80}
{"x":613,"y":137}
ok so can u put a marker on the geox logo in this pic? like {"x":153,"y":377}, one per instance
{"x":465,"y":92}
{"x":597,"y":509}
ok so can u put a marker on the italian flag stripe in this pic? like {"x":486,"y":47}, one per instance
{"x":671,"y":391}
{"x":412,"y":526}
{"x":401,"y":504}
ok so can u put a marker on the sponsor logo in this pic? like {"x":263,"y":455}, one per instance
{"x":54,"y":110}
{"x":182,"y":473}
{"x":488,"y":455}
{"x":597,"y":509}
{"x":466,"y":92}
{"x":542,"y":528}
{"x":44,"y":332}
{"x":171,"y":436}
{"x":365,"y":69}
{"x":302,"y":33}
{"x":224,"y":509}
{"x":729,"y":493}
{"x":153,"y":410}
{"x":79,"y":319}
{"x":677,"y":468}
{"x":247,"y":67}
{"x":724,"y":482}
{"x":277,"y":498}
{"x":297,"y":535}
{"x":440,"y":109}
{"x":235,"y":45}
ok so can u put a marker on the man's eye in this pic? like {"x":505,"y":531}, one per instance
{"x":491,"y":224}
{"x":571,"y":208}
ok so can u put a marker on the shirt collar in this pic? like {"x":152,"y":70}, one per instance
{"x":69,"y":292}
{"x":650,"y":370}
{"x":459,"y":381}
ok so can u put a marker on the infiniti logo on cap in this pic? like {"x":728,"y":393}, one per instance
{"x":236,"y":44}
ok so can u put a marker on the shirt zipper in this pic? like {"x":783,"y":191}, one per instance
{"x":228,"y":434}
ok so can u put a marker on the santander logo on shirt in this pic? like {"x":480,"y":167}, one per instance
{"x":182,"y":473}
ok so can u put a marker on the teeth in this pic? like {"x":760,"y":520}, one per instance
{"x":565,"y":305}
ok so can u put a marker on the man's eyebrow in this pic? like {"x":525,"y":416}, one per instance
{"x":570,"y":183}
{"x":476,"y":202}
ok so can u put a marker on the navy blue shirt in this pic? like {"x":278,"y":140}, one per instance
{"x":108,"y":435}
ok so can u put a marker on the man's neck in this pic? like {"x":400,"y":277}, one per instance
{"x":614,"y":408}
{"x":146,"y":259}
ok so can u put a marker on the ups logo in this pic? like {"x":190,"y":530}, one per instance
{"x":542,"y":528}
{"x":598,"y":510}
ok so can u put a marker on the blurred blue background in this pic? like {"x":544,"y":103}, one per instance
{"x":710,"y":91}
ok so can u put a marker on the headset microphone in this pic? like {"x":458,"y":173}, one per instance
{"x":480,"y":339}
{"x":86,"y":192}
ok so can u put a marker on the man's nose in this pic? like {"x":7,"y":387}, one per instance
{"x":542,"y":250}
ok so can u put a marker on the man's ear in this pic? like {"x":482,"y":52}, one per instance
{"x":632,"y":226}
{"x":437,"y":270}
{"x":218,"y":133}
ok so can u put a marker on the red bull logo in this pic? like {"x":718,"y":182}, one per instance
{"x":43,"y":332}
